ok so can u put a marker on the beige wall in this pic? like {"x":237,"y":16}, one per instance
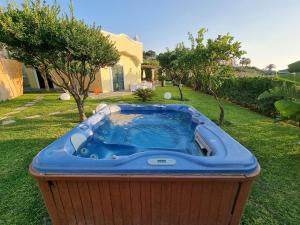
{"x":32,"y":77}
{"x":132,"y":71}
{"x":11,"y":79}
{"x":131,"y":56}
{"x":131,"y":52}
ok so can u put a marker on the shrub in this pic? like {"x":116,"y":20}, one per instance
{"x":144,"y":94}
{"x":245,"y":91}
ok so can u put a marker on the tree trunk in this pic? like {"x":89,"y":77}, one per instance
{"x":222,"y":112}
{"x":162,"y":83}
{"x":180,"y":92}
{"x":80,"y":106}
{"x":43,"y":73}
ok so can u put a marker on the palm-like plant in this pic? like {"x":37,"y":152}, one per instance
{"x":289,"y":104}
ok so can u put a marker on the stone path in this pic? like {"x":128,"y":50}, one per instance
{"x":30,"y":104}
{"x":20,"y":108}
{"x":5,"y":120}
{"x":54,"y":113}
{"x":11,"y":113}
{"x":32,"y":117}
{"x":8,"y":122}
{"x":110,"y":94}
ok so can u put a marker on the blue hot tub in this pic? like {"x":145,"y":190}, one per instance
{"x":145,"y":164}
{"x":146,"y":139}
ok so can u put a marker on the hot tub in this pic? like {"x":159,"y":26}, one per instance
{"x":145,"y":164}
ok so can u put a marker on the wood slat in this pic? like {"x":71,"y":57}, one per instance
{"x":67,"y":203}
{"x":185,"y":200}
{"x":205,"y":204}
{"x":86,"y":202}
{"x":49,"y":201}
{"x":97,"y":203}
{"x":135,"y":193}
{"x":107,"y":203}
{"x":146,"y":203}
{"x":226,"y":203}
{"x":58,"y":203}
{"x":156,"y":212}
{"x":126,"y":202}
{"x":116,"y":203}
{"x":175,"y":203}
{"x":195,"y":203}
{"x":238,"y":208}
{"x":166,"y":196}
{"x":76,"y":202}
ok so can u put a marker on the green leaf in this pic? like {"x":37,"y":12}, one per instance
{"x":288,"y":109}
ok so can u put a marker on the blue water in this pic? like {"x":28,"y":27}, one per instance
{"x":142,"y":131}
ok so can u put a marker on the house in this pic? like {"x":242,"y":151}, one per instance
{"x":118,"y":78}
{"x":11,"y":82}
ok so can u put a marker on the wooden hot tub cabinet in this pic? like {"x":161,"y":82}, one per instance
{"x":145,"y":199}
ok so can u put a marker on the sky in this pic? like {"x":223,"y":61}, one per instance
{"x":269,"y":30}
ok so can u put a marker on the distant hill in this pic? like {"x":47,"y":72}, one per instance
{"x":248,"y":71}
{"x":290,"y":77}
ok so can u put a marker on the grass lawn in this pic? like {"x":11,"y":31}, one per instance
{"x":275,"y":198}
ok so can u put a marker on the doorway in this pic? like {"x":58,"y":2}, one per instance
{"x":118,"y":78}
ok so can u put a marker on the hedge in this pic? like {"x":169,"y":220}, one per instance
{"x":245,"y":91}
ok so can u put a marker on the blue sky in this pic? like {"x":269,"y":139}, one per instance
{"x":268,"y":29}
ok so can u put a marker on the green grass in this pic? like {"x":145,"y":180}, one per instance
{"x":290,"y":77}
{"x":275,"y":197}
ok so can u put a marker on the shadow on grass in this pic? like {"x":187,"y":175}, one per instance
{"x":20,"y":197}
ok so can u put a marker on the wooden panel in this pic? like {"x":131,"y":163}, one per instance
{"x":116,"y":203}
{"x":146,"y":203}
{"x":243,"y":194}
{"x":86,"y":202}
{"x":196,"y":198}
{"x":97,"y":203}
{"x":126,"y":202}
{"x":58,"y":203}
{"x":141,"y":202}
{"x":185,"y":202}
{"x":166,"y":196}
{"x":76,"y":202}
{"x":226,"y":202}
{"x":175,"y":203}
{"x":49,"y":201}
{"x":155,"y":203}
{"x":66,"y":202}
{"x":107,"y":203}
{"x":135,"y":193}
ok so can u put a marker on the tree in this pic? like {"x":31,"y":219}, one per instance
{"x":270,"y":68}
{"x":150,"y":54}
{"x":27,"y":59}
{"x":245,"y":61}
{"x":208,"y":62}
{"x":71,"y":51}
{"x":174,"y":64}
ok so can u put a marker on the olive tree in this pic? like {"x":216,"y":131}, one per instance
{"x":211,"y":62}
{"x":70,"y":51}
{"x":174,"y":64}
{"x":245,"y":61}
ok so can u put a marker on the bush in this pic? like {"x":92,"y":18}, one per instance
{"x":245,"y":91}
{"x":144,"y":94}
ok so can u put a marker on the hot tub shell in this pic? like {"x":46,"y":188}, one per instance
{"x":200,"y":190}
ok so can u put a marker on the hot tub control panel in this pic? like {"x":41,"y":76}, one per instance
{"x":161,"y":162}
